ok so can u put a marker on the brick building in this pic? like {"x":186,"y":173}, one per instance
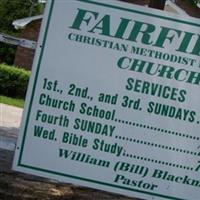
{"x":31,"y":28}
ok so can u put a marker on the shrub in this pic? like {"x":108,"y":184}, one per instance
{"x":13,"y":81}
{"x":7,"y":53}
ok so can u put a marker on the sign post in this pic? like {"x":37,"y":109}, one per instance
{"x":113,"y":100}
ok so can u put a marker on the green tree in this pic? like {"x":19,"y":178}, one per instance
{"x":11,"y":10}
{"x":193,"y":2}
{"x":196,"y":1}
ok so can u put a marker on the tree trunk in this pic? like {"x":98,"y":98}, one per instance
{"x":158,"y":4}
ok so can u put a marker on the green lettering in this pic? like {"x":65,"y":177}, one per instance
{"x":103,"y":25}
{"x":139,"y":28}
{"x":164,"y":35}
{"x":81,"y":16}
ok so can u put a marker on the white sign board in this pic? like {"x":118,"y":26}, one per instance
{"x":113,"y":101}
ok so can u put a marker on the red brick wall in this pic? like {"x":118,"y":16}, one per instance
{"x":24,"y":56}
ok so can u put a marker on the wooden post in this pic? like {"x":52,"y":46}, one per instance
{"x":158,"y":4}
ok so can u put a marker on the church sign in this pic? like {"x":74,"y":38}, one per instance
{"x":113,"y":100}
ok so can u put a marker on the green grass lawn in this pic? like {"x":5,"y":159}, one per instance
{"x":11,"y":101}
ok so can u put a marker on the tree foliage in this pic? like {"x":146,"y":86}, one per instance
{"x":193,"y":2}
{"x":11,"y":10}
{"x":196,"y":1}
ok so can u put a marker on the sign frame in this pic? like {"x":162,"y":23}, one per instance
{"x":31,"y":91}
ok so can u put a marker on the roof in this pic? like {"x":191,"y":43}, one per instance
{"x":21,"y":23}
